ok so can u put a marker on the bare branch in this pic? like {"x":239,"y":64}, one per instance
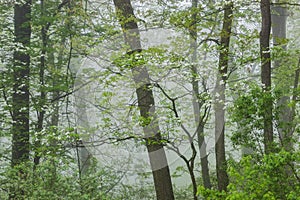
{"x":285,"y":3}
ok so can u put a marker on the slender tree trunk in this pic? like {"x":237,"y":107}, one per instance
{"x":56,"y":93}
{"x":266,"y":73}
{"x":197,"y":103}
{"x":42,"y":98}
{"x":84,"y":156}
{"x":157,"y":156}
{"x":55,"y":83}
{"x":221,"y":165}
{"x":55,"y":112}
{"x":20,"y":98}
{"x":190,"y":165}
{"x":190,"y":162}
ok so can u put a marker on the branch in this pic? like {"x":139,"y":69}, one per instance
{"x":83,"y":144}
{"x":59,"y":7}
{"x":175,"y":112}
{"x":71,"y":92}
{"x":65,"y":2}
{"x":209,"y":39}
{"x":285,"y":3}
{"x":177,"y":151}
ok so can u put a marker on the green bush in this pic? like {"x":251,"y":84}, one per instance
{"x":272,"y":177}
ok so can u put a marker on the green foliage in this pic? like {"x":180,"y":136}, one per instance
{"x":182,"y":192}
{"x":74,"y":31}
{"x":247,"y":112}
{"x":272,"y":177}
{"x":57,"y":177}
{"x":53,"y":142}
{"x":210,"y":194}
{"x":50,"y":180}
{"x":154,"y":58}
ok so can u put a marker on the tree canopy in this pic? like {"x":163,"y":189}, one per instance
{"x":128,"y":99}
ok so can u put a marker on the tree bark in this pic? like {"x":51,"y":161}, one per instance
{"x":157,"y":156}
{"x":20,"y":97}
{"x":266,"y":73}
{"x":42,"y":98}
{"x":221,"y":165}
{"x":197,"y":103}
{"x":286,"y":118}
{"x":84,"y":156}
{"x":286,"y":114}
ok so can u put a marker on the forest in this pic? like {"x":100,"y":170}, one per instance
{"x":144,"y":100}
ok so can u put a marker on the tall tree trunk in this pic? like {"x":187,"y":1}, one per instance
{"x":197,"y":103}
{"x":286,"y":115}
{"x":54,"y":120}
{"x":20,"y":98}
{"x":266,"y":73}
{"x":42,"y":98}
{"x":157,"y":156}
{"x":84,"y":155}
{"x":221,"y":165}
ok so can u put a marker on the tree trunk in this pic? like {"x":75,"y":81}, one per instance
{"x":286,"y":115}
{"x":42,"y":98}
{"x":157,"y":156}
{"x":286,"y":120}
{"x":221,"y":165}
{"x":197,"y":103}
{"x":84,"y":155}
{"x":20,"y":98}
{"x":266,"y":73}
{"x":54,"y":120}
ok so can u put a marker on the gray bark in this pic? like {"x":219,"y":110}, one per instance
{"x":286,"y":114}
{"x":198,"y":103}
{"x":84,"y":155}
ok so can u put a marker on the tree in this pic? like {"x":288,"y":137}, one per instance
{"x":155,"y":98}
{"x":198,"y":103}
{"x":286,"y":79}
{"x":21,"y":70}
{"x":266,"y":72}
{"x":20,"y":96}
{"x":158,"y":160}
{"x":222,"y":77}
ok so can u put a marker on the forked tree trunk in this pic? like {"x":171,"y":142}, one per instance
{"x":157,"y":156}
{"x":221,"y":165}
{"x":266,"y":73}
